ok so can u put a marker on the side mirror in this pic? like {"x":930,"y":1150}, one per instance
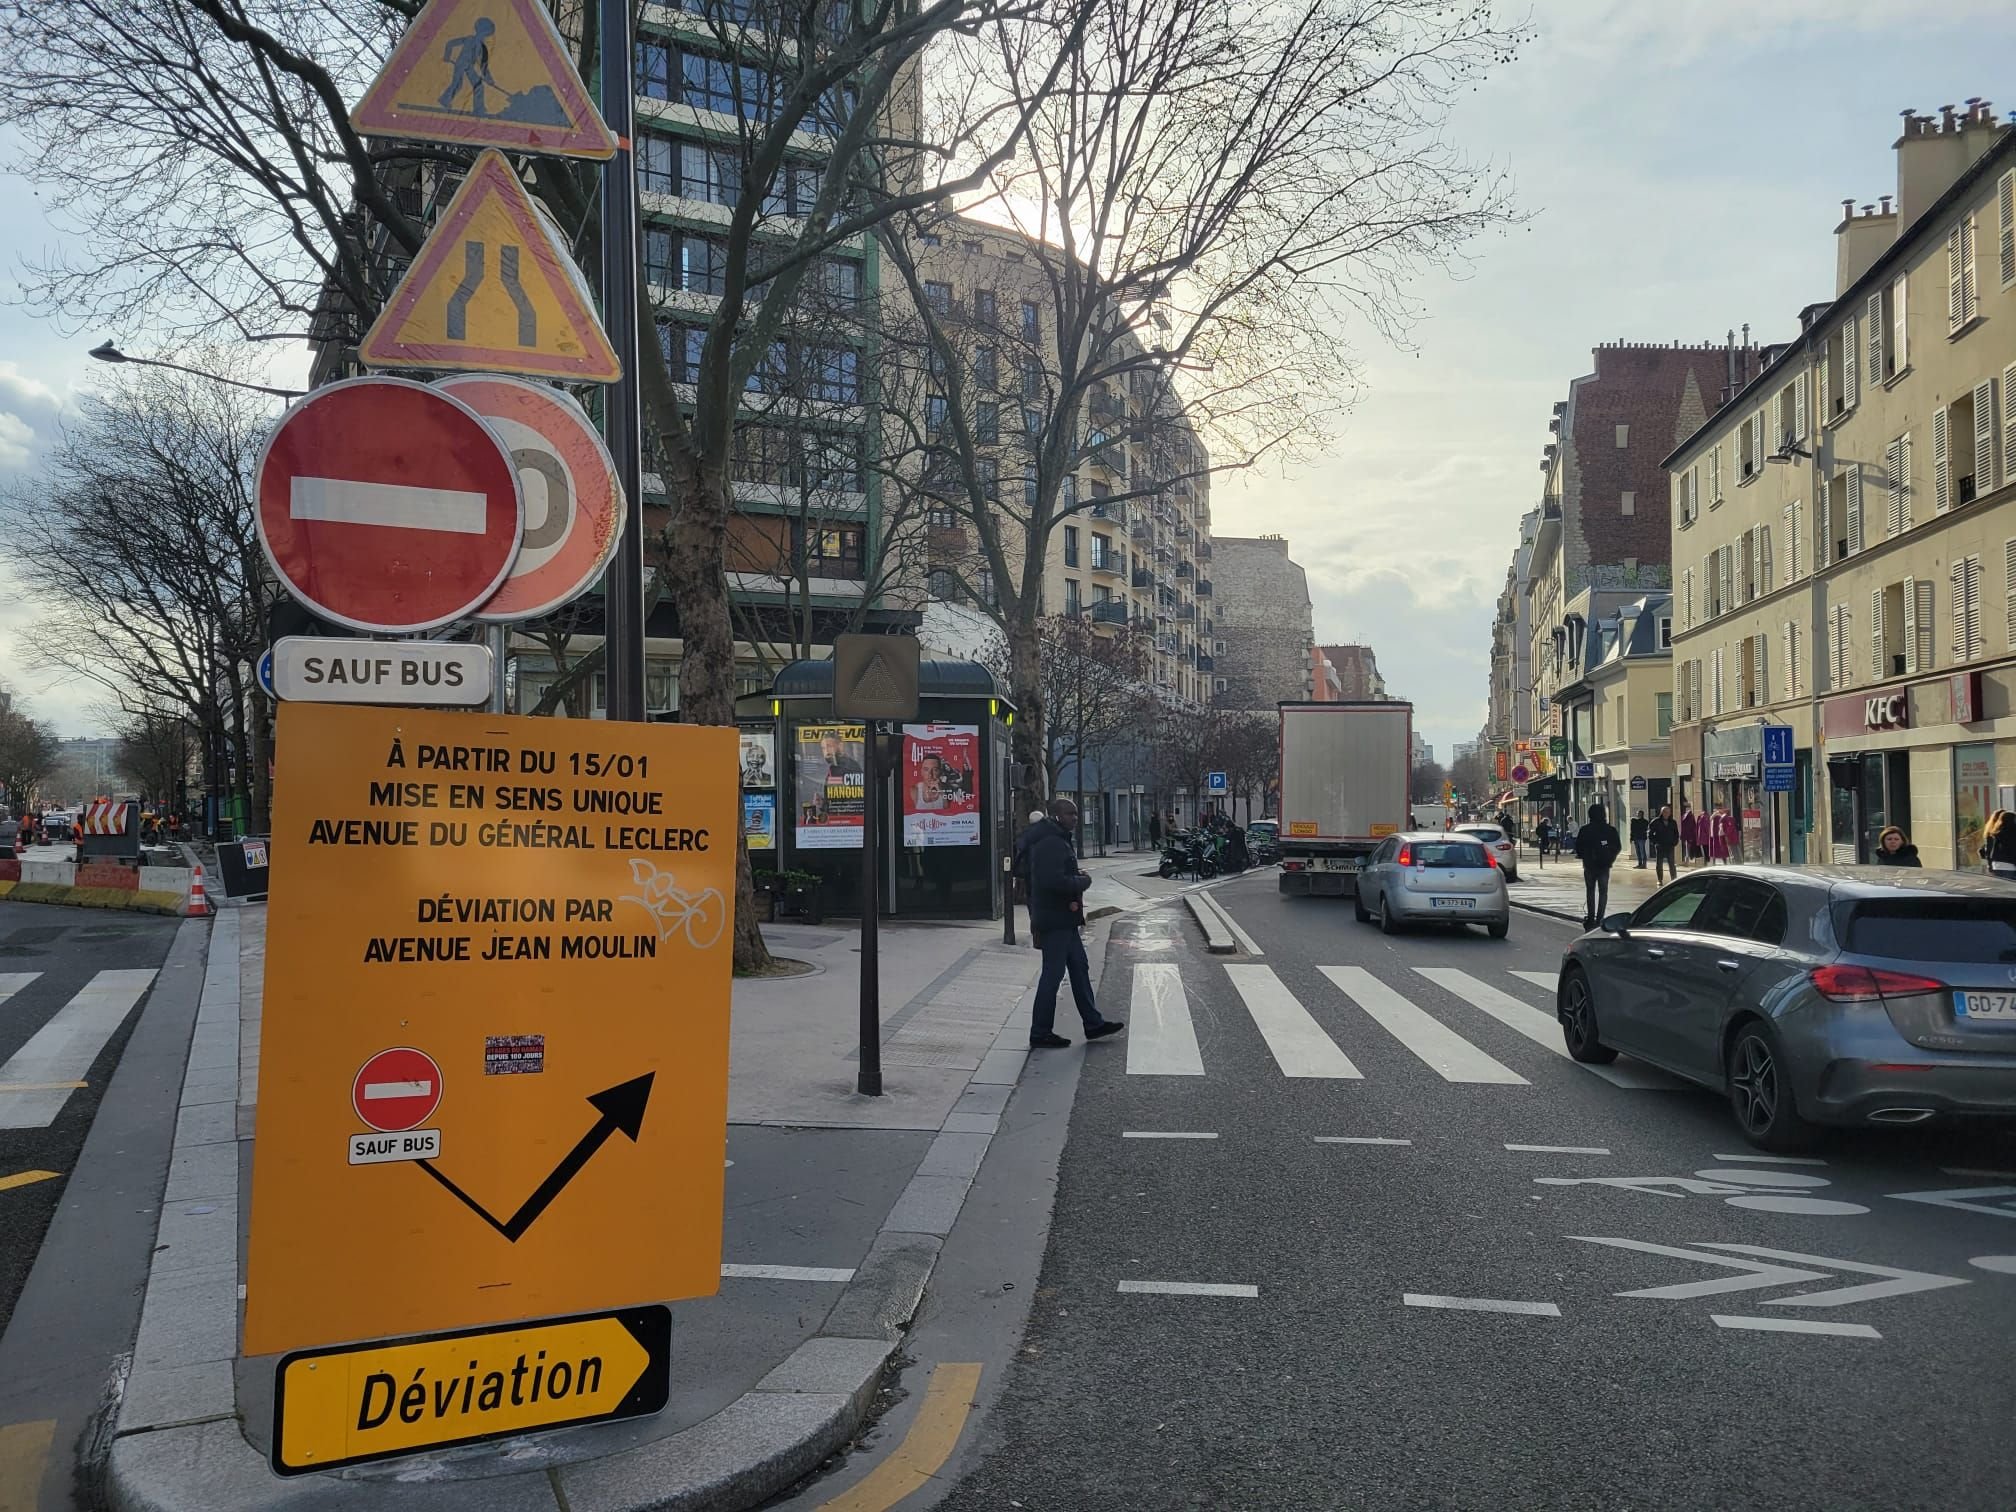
{"x":1617,"y":924}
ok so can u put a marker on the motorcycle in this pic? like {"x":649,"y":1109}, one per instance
{"x":1188,"y":851}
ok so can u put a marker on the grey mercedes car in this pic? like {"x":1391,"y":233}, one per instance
{"x":1822,"y":995}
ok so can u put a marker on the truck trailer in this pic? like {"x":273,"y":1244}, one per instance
{"x":1345,"y":773}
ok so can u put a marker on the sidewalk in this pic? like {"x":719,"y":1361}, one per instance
{"x":1556,"y":888}
{"x":836,"y":1207}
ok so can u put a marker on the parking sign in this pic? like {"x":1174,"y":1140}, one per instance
{"x":1215,"y":782}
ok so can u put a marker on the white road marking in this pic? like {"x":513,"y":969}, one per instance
{"x":1190,"y":1288}
{"x":1896,"y":1282}
{"x":1759,"y":1275}
{"x":1362,"y":1139}
{"x":1964,"y":1199}
{"x":1774,"y":1159}
{"x":1483,"y":1304}
{"x":2001,"y":1265}
{"x":1447,"y":1053}
{"x":1161,"y":1040}
{"x":1298,"y":1043}
{"x":1538,"y":1025}
{"x":61,"y":1051}
{"x":1548,"y":981}
{"x":396,"y":506}
{"x":1899,"y":1282}
{"x":1796,"y":1325}
{"x":1246,"y":941}
{"x":12,"y":982}
{"x":1163,"y":1134}
{"x":786,"y":1273}
{"x":380,"y":1091}
{"x":1970,"y":1171}
{"x":1560,"y":1149}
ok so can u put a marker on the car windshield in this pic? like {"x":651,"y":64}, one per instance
{"x":1449,"y":853}
{"x":1967,"y":931}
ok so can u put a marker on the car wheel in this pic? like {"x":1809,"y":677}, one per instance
{"x":1387,"y":923}
{"x":1501,"y":929}
{"x":1578,"y":1022}
{"x":1166,"y":869}
{"x":1358,"y":906}
{"x":1760,"y":1095}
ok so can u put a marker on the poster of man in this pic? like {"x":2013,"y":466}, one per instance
{"x":759,"y":820}
{"x":941,"y":784}
{"x":759,"y":759}
{"x":832,"y":796}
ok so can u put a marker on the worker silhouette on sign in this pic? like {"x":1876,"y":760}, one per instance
{"x":470,"y":58}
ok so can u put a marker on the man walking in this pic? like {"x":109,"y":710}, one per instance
{"x":1638,"y":833}
{"x":1664,"y":835}
{"x":1056,"y":914}
{"x":1597,"y":845}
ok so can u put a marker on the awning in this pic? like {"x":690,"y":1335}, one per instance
{"x":1548,"y":790}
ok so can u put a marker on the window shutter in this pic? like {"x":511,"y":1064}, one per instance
{"x":2005,"y":207}
{"x":1741,"y":682}
{"x":1956,"y":288}
{"x":1795,"y":545}
{"x":1926,"y":626}
{"x":1904,"y":479}
{"x":1970,"y":289}
{"x":1790,"y":523}
{"x":1717,"y":690}
{"x":1764,"y":578}
{"x":1854,"y":487}
{"x":1910,"y":624}
{"x":1957,"y":581}
{"x":2009,"y":585}
{"x":1851,"y":363}
{"x":1984,"y":436}
{"x":1976,"y":644}
{"x":1760,"y":652}
{"x":1785,"y":653}
{"x":1799,"y":407}
{"x":1942,"y":469}
{"x":1728,"y":597}
{"x":1900,"y":328}
{"x":1687,"y":596}
{"x":1875,"y":322}
{"x":1878,"y":669}
{"x":2009,"y":424}
{"x":1834,"y":649}
{"x":1893,"y":463}
{"x":1694,"y":694}
{"x":1757,"y":446}
{"x":1795,"y":682}
{"x":1825,"y":415}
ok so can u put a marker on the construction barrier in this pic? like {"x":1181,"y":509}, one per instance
{"x":98,"y":884}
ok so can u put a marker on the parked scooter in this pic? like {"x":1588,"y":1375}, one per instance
{"x":1189,"y":852}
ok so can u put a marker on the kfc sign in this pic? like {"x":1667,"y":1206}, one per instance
{"x":1887,"y":711}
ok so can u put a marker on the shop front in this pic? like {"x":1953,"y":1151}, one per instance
{"x":1920,"y":756}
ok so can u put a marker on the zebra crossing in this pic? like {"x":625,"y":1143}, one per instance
{"x":37,"y":1079}
{"x":1162,"y":1037}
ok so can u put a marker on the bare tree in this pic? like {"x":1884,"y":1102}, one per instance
{"x":1247,"y":751}
{"x":157,"y":749}
{"x":29,"y":752}
{"x":1208,"y":194}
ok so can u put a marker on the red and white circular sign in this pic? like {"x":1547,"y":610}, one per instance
{"x":397,"y":1090}
{"x":388,"y":505}
{"x":574,"y":502}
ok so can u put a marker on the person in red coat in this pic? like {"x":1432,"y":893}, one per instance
{"x":1690,"y":834}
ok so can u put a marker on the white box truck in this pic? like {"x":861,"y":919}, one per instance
{"x":1345,"y":773}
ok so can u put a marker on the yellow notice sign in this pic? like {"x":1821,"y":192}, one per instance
{"x":493,"y":290}
{"x":371,"y":1401}
{"x":493,"y":1077}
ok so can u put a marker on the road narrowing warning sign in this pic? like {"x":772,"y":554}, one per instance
{"x":468,"y":895}
{"x":364,"y":1402}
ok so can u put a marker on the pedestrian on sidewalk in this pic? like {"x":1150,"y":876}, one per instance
{"x":1664,"y":835}
{"x":1894,"y":848}
{"x":1597,"y":844}
{"x":1056,"y":915}
{"x":1638,"y":833}
{"x":1155,"y":829}
{"x":1690,"y":834}
{"x":1543,"y":832}
{"x":1998,"y":845}
{"x":1719,"y":829}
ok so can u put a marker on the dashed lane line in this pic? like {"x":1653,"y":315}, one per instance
{"x":1559,"y":1149}
{"x":1482,"y":1304}
{"x":1753,"y":1158}
{"x":1359,"y":1139}
{"x":1189,"y":1289}
{"x":1165,"y":1134}
{"x":1795,"y":1325}
{"x":787,"y":1273}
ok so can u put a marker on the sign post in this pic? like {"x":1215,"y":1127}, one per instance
{"x":875,"y":677}
{"x":622,"y":421}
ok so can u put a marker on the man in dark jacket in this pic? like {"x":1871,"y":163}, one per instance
{"x":1056,"y":914}
{"x":1597,"y":844}
{"x":1665,"y":839}
{"x":1638,"y":833}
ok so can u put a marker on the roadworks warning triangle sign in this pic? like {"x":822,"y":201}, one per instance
{"x":486,"y":73}
{"x":493,"y":291}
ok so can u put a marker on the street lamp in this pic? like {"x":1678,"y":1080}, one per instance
{"x":105,"y":351}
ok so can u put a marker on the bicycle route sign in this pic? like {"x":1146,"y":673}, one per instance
{"x":518,"y":932}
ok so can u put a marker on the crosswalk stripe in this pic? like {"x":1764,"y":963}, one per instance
{"x":1299,"y":1045}
{"x":12,"y":982}
{"x":1541,"y":1026}
{"x":62,"y":1050}
{"x":1161,"y":1040}
{"x":1447,"y":1053}
{"x":1547,"y":979}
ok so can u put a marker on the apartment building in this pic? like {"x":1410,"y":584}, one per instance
{"x":1628,"y":683}
{"x":1602,"y":540}
{"x":1845,"y":531}
{"x":1357,"y":671}
{"x":1266,"y":627}
{"x":1509,"y":715}
{"x":1144,"y":560}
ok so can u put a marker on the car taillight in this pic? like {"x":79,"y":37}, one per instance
{"x":1291,"y":866}
{"x":1406,"y":856}
{"x":1861,"y":984}
{"x":1492,"y":859}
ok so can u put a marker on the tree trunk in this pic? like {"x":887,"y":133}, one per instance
{"x":260,"y":820}
{"x":1030,"y":746}
{"x":695,"y":559}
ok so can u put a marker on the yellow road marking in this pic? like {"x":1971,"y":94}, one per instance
{"x":26,"y":1178}
{"x":933,"y":1435}
{"x":24,"y":1448}
{"x":41,"y":1086}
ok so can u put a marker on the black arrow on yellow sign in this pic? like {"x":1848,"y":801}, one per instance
{"x":622,"y":1110}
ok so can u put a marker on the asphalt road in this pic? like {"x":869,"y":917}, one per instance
{"x":48,"y":956}
{"x":1327,"y":1369}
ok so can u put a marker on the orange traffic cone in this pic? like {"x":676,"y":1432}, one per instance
{"x":199,"y":901}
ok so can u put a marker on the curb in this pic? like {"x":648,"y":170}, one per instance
{"x":808,"y":1408}
{"x":1217,"y":938}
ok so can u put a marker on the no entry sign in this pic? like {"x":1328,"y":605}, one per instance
{"x":573,"y":501}
{"x":387,"y":505}
{"x":397,"y":1090}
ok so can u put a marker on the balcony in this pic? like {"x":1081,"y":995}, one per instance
{"x":1203,"y":551}
{"x":1140,"y":529}
{"x":1205,"y":663}
{"x":1203,"y":587}
{"x":1185,"y":570}
{"x":1109,"y":612}
{"x":1186,"y":612}
{"x":1107,"y":564}
{"x":1165,"y":553}
{"x":1143,"y":578}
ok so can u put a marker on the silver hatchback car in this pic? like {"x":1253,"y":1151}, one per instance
{"x":1433,"y":878}
{"x":1823,"y":995}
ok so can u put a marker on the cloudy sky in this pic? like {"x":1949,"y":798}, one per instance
{"x":1684,"y":163}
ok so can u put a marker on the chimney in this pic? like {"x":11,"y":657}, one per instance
{"x":1860,"y":239}
{"x":1931,"y":158}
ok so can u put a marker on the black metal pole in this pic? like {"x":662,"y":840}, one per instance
{"x":869,"y":1082}
{"x":623,"y":584}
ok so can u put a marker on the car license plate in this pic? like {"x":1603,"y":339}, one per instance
{"x":1997,"y":1006}
{"x":1453,"y":902}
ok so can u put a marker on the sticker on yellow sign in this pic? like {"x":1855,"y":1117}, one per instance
{"x":1303,"y":827}
{"x":373,"y":1401}
{"x":485,"y":73}
{"x":493,"y":290}
{"x":449,"y":883}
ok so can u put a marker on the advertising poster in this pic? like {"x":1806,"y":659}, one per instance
{"x":941,"y":784}
{"x":759,"y":820}
{"x":1973,"y":800}
{"x":831,"y":794}
{"x":759,"y":759}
